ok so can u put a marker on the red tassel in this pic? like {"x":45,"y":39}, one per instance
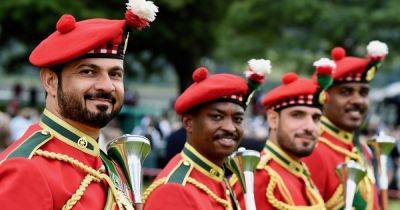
{"x":135,"y":21}
{"x":324,"y":70}
{"x":257,"y":78}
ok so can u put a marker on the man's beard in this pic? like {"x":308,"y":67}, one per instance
{"x":289,"y":146}
{"x":72,"y":108}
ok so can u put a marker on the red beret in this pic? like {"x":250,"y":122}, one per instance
{"x":209,"y":88}
{"x":355,"y":69}
{"x":74,"y":39}
{"x":293,"y":91}
{"x":91,"y":38}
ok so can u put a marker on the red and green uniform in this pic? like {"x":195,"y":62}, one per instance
{"x":336,"y":146}
{"x":190,"y":182}
{"x":281,"y":182}
{"x":35,"y":172}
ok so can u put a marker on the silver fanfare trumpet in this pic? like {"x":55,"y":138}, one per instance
{"x":129,"y":151}
{"x":350,"y":173}
{"x":243,"y":163}
{"x":382,"y":145}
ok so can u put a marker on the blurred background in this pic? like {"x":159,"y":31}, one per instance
{"x":221,"y":35}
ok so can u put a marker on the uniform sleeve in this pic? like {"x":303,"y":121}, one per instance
{"x":170,"y":197}
{"x":23,"y":186}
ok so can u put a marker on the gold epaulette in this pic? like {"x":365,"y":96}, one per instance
{"x":276,"y":181}
{"x":265,"y":158}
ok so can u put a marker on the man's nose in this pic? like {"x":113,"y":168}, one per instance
{"x":229,"y":125}
{"x":105,"y":84}
{"x":311,"y":125}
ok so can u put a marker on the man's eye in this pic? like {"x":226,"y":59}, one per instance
{"x":216,"y":117}
{"x":238,"y":120}
{"x":345,"y":92}
{"x":87,"y":72}
{"x":116,"y":74}
{"x":317,"y":119}
{"x":364,"y":93}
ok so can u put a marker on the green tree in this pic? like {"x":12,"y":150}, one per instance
{"x":295,"y":33}
{"x":182,"y":34}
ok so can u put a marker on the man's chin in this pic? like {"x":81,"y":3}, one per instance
{"x":352,"y":125}
{"x":300,"y":153}
{"x":225,"y":151}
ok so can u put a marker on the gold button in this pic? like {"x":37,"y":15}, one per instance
{"x":45,"y":132}
{"x":82,"y":142}
{"x":186,"y":163}
{"x":214,"y":172}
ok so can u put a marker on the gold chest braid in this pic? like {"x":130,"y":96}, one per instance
{"x":93,"y":175}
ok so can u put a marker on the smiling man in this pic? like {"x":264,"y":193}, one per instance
{"x":212,"y":111}
{"x":57,"y":163}
{"x":344,"y":112}
{"x":281,"y":180}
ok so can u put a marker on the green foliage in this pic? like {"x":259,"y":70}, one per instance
{"x":295,"y":33}
{"x":292,"y":33}
{"x":182,"y":34}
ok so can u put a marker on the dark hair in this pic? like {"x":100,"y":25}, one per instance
{"x":57,"y":69}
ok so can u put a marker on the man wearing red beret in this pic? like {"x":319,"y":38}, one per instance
{"x":281,"y":180}
{"x":57,"y":163}
{"x":212,"y":111}
{"x":344,"y":111}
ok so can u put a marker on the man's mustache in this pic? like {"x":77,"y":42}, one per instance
{"x":100,"y":95}
{"x":226,"y":135}
{"x":355,"y":107}
{"x":306,"y":135}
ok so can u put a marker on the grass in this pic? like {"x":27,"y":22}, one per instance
{"x":394,"y":204}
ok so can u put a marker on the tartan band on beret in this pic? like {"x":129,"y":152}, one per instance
{"x":356,"y":69}
{"x":303,"y":100}
{"x":108,"y":50}
{"x":214,"y":88}
{"x":294,"y":91}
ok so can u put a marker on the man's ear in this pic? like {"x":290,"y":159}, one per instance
{"x":187,"y":122}
{"x":273,"y":119}
{"x":49,"y":81}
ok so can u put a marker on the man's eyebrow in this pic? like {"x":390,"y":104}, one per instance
{"x":117,"y":68}
{"x":94,"y":66}
{"x":222,"y":111}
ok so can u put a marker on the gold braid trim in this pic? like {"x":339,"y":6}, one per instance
{"x":336,"y":200}
{"x":78,"y":194}
{"x":91,"y":172}
{"x":227,"y":205}
{"x":152,"y":187}
{"x":201,"y":186}
{"x":339,"y":149}
{"x":279,"y":204}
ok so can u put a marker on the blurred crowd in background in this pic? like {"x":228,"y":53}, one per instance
{"x":165,"y":130}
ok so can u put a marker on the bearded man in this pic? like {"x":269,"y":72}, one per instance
{"x":57,"y":163}
{"x":293,"y":109}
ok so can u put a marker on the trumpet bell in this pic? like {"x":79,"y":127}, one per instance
{"x":129,"y":151}
{"x":351,"y":170}
{"x":241,"y":161}
{"x":382,"y":144}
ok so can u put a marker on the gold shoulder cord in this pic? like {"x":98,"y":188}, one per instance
{"x":227,"y":205}
{"x":343,"y":151}
{"x":274,"y":180}
{"x":93,"y":175}
{"x":152,"y":187}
